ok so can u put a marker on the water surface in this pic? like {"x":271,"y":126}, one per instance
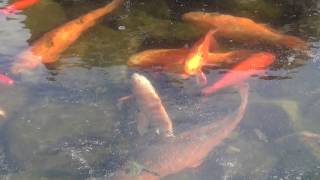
{"x":63,"y":123}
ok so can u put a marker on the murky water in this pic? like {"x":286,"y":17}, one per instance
{"x":62,"y":119}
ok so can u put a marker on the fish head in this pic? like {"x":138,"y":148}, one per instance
{"x":141,"y":85}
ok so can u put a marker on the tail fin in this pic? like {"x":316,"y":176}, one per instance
{"x":293,"y":42}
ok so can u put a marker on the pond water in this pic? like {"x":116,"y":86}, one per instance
{"x":62,"y":119}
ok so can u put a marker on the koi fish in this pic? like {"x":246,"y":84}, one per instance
{"x":172,"y":59}
{"x":18,"y":5}
{"x":196,"y":57}
{"x":169,"y":59}
{"x":150,"y":106}
{"x":198,"y":54}
{"x":186,"y":150}
{"x":242,"y":29}
{"x":48,"y":48}
{"x":6,"y":79}
{"x":255,"y":64}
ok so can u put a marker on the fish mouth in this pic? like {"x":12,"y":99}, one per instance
{"x":137,"y":78}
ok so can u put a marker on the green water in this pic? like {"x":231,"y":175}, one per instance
{"x":63,"y":123}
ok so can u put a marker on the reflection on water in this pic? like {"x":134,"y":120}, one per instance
{"x":63,"y":121}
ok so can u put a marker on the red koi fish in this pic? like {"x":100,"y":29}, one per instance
{"x":197,"y":56}
{"x":48,"y":48}
{"x":18,"y":5}
{"x":242,"y":29}
{"x":254,"y":64}
{"x":6,"y":79}
{"x":187,"y":150}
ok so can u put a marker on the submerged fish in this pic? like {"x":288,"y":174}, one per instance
{"x":254,"y":64}
{"x":169,"y":59}
{"x":197,"y":56}
{"x":172,"y":59}
{"x":150,"y":106}
{"x":6,"y":79}
{"x":187,"y":150}
{"x":48,"y":48}
{"x":18,"y":5}
{"x":242,"y":29}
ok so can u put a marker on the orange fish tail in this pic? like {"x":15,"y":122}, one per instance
{"x":293,"y":42}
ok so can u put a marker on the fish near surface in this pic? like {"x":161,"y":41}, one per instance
{"x":254,"y":64}
{"x":48,"y":48}
{"x":150,"y":106}
{"x":172,"y":59}
{"x":197,"y":56}
{"x":18,"y":5}
{"x":242,"y":29}
{"x":169,"y":59}
{"x":185,"y":150}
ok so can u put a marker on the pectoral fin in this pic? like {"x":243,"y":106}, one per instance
{"x":201,"y":79}
{"x":123,"y":100}
{"x":142,"y":123}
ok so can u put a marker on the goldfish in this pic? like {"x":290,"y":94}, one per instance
{"x":186,"y":150}
{"x":172,"y":60}
{"x":196,"y":57}
{"x":6,"y":79}
{"x":48,"y":48}
{"x":254,"y":64}
{"x":226,"y":58}
{"x":169,"y":59}
{"x":18,"y":5}
{"x":150,"y":106}
{"x":243,"y":29}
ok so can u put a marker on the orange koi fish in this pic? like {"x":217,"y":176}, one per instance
{"x":242,"y":29}
{"x":173,"y":59}
{"x":187,"y":150}
{"x":150,"y":106}
{"x":197,"y":56}
{"x":18,"y":5}
{"x":169,"y":59}
{"x":254,"y":64}
{"x":48,"y":48}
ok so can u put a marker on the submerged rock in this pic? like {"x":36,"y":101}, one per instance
{"x":70,"y":130}
{"x":296,"y":156}
{"x":103,"y":46}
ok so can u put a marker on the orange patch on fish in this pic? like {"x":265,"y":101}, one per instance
{"x":198,"y":54}
{"x":243,"y":29}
